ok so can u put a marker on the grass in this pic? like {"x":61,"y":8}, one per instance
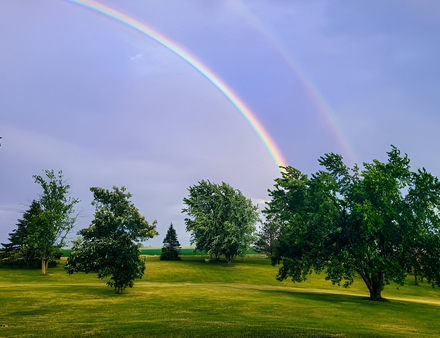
{"x":197,"y":299}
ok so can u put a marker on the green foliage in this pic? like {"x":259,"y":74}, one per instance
{"x":157,"y":251}
{"x":378,"y":223}
{"x":267,"y":238}
{"x":13,"y":252}
{"x":171,"y":246}
{"x":221,"y":219}
{"x":50,"y":227}
{"x":108,"y":245}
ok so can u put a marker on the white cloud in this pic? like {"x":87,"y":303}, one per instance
{"x":136,"y":56}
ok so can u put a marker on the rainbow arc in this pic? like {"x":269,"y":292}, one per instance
{"x":211,"y":76}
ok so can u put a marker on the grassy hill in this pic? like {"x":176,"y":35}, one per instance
{"x":194,"y":298}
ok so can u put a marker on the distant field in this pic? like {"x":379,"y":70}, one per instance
{"x":191,"y":298}
{"x":186,"y":251}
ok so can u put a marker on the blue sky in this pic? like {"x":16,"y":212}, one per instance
{"x":82,"y":93}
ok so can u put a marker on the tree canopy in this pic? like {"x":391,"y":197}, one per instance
{"x":268,"y":236}
{"x":221,"y":219}
{"x":378,"y":223}
{"x":171,"y":246}
{"x":54,"y":222}
{"x":108,"y":245}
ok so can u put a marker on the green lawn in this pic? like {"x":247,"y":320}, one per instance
{"x":194,"y":298}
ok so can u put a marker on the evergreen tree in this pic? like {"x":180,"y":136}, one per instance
{"x":171,"y":246}
{"x":13,"y":251}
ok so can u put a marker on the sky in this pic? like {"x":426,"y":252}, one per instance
{"x":109,"y":106}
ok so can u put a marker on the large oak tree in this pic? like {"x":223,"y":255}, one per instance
{"x":378,"y":222}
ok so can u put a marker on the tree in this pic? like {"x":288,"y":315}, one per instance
{"x":267,"y":238}
{"x":171,"y":246}
{"x":14,"y":251}
{"x":108,"y":245}
{"x":54,"y":222}
{"x":221,"y":219}
{"x":375,"y":223}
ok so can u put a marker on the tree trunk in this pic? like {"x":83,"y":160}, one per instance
{"x":416,"y":282}
{"x":377,"y":286}
{"x":375,"y":294}
{"x":43,"y":266}
{"x":374,"y":285}
{"x":228,"y":259}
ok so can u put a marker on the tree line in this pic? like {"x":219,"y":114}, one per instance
{"x":379,"y":223}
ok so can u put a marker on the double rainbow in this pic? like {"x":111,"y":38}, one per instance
{"x":196,"y":64}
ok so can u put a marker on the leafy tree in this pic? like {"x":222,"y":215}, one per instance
{"x":375,"y":223}
{"x":171,"y":246}
{"x":267,"y":238}
{"x":108,"y":245}
{"x":221,"y":219}
{"x":13,"y":251}
{"x":54,"y":222}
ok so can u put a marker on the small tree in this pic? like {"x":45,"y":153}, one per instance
{"x":108,"y":245}
{"x":267,"y":238}
{"x":171,"y":246}
{"x":221,"y":219}
{"x":54,"y":222}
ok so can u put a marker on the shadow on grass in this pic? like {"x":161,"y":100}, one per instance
{"x":329,"y":297}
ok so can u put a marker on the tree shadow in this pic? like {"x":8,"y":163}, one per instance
{"x":325,"y":297}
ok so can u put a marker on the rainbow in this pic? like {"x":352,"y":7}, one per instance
{"x":196,"y":64}
{"x":312,"y":90}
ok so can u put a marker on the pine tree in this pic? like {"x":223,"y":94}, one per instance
{"x":171,"y":246}
{"x":13,"y":251}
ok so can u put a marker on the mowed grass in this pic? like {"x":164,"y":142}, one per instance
{"x":191,"y":298}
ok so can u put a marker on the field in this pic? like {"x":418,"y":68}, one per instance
{"x":192,"y":298}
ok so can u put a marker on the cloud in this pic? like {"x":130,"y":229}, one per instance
{"x":136,"y":56}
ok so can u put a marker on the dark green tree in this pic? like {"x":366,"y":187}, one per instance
{"x":221,"y":219}
{"x":13,"y":251}
{"x":375,"y":223}
{"x":267,"y":237}
{"x":108,"y":245}
{"x":54,"y":222}
{"x":171,"y":246}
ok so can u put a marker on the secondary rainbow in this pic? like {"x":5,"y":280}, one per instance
{"x":196,"y":64}
{"x":315,"y":95}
